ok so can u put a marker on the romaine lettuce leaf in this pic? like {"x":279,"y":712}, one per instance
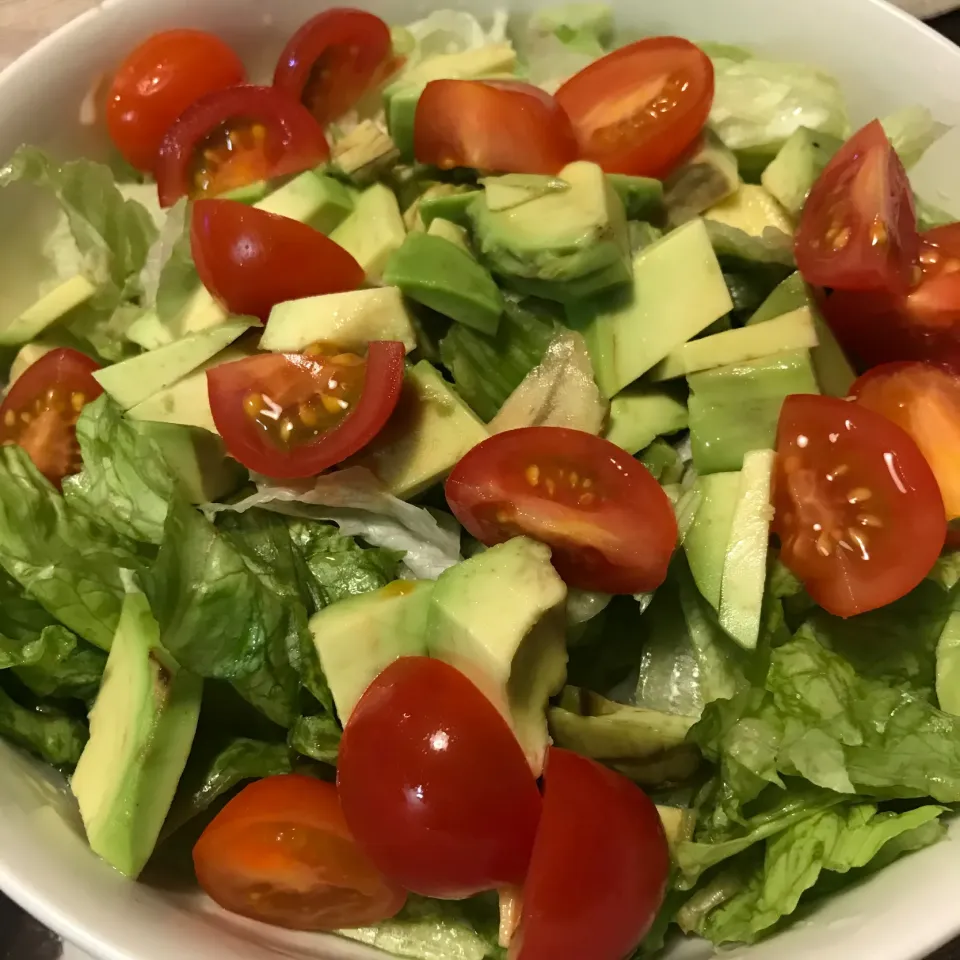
{"x":169,"y":276}
{"x":65,"y":561}
{"x":317,"y":737}
{"x":56,"y":664}
{"x":52,"y":735}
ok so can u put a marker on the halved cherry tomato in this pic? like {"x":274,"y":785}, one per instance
{"x":41,"y":409}
{"x":923,"y":399}
{"x":296,"y":414}
{"x":333,"y":60}
{"x":608,"y":522}
{"x":499,"y":125}
{"x":251,"y":260}
{"x":434,"y":785}
{"x":281,"y":852}
{"x":599,"y":869}
{"x":639,"y":109}
{"x":858,"y":510}
{"x":158,"y":81}
{"x":858,"y":229}
{"x":233,"y":137}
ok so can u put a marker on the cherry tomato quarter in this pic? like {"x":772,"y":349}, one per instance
{"x":639,"y":109}
{"x":290,"y":415}
{"x":158,"y":81}
{"x":434,"y":785}
{"x":858,"y":228}
{"x":333,"y":60}
{"x":251,"y":260}
{"x":599,"y":869}
{"x":234,"y":137}
{"x":858,"y":510}
{"x":924,"y":400}
{"x":608,"y":522}
{"x":492,"y":125}
{"x":280,"y":852}
{"x":40,"y":411}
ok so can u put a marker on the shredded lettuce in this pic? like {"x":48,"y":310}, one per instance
{"x":912,"y":131}
{"x":451,"y":31}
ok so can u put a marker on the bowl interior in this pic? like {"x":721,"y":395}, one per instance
{"x":884,"y":61}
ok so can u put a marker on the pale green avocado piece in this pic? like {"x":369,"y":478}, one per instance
{"x":572,"y":292}
{"x":201,"y":313}
{"x":197,"y":460}
{"x":49,"y":309}
{"x":706,"y":541}
{"x":142,"y":727}
{"x":250,"y":193}
{"x":442,"y":276}
{"x":792,"y":331}
{"x":450,"y":206}
{"x":373,"y":231}
{"x":186,"y":402}
{"x":642,"y":197}
{"x":752,"y":210}
{"x":320,"y":202}
{"x":642,"y":412}
{"x":348,"y":320}
{"x":138,"y":378}
{"x":430,"y":430}
{"x":26,"y":357}
{"x":835,"y":375}
{"x":794,"y":170}
{"x":357,"y":638}
{"x":745,"y":565}
{"x":499,"y":618}
{"x":450,"y":231}
{"x":514,"y":189}
{"x":558,"y":237}
{"x":735,"y":409}
{"x":707,"y":178}
{"x":678,"y":291}
{"x":678,"y":823}
{"x":948,"y":665}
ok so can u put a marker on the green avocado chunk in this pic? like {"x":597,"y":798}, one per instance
{"x":142,"y":727}
{"x":709,"y":535}
{"x":642,"y":197}
{"x":642,"y":412}
{"x":794,"y":170}
{"x":359,"y":637}
{"x":499,"y":618}
{"x":373,"y":231}
{"x":48,"y":310}
{"x":440,"y":275}
{"x":448,"y":206}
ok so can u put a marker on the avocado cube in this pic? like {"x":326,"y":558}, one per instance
{"x":558,"y":237}
{"x":709,"y":535}
{"x":444,"y":277}
{"x":678,"y":291}
{"x":430,"y":430}
{"x":450,"y":231}
{"x":752,"y":210}
{"x":642,"y":197}
{"x":401,"y":111}
{"x":49,"y":309}
{"x":794,"y":170}
{"x":250,"y":193}
{"x":373,"y":231}
{"x":452,"y":206}
{"x":320,"y":202}
{"x":641,"y":413}
{"x":142,"y":727}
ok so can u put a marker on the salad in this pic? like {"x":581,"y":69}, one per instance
{"x":490,"y":490}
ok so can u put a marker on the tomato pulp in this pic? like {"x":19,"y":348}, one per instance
{"x":599,"y":869}
{"x":333,"y":60}
{"x":280,"y":852}
{"x":234,"y":137}
{"x":608,"y":522}
{"x":40,"y":410}
{"x":292,"y":415}
{"x":251,"y":260}
{"x":434,"y":785}
{"x":858,"y":510}
{"x":492,"y":125}
{"x":639,"y":109}
{"x":158,"y":81}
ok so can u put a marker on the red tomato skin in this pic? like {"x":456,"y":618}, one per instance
{"x":434,"y":785}
{"x":229,"y":383}
{"x":274,"y":834}
{"x":492,"y":125}
{"x":871,"y":242}
{"x":864,"y":451}
{"x":294,"y":141}
{"x":359,"y":45}
{"x":600,"y":866}
{"x":50,"y":438}
{"x":606,"y":545}
{"x":622,"y":72}
{"x":251,"y":260}
{"x":158,"y":81}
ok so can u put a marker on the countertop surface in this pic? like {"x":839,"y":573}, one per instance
{"x":23,"y":23}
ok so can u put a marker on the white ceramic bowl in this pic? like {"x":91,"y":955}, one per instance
{"x":884,"y":59}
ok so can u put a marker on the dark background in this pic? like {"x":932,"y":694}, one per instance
{"x":22,"y":938}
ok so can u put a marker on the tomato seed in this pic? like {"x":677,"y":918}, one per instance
{"x":532,"y":473}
